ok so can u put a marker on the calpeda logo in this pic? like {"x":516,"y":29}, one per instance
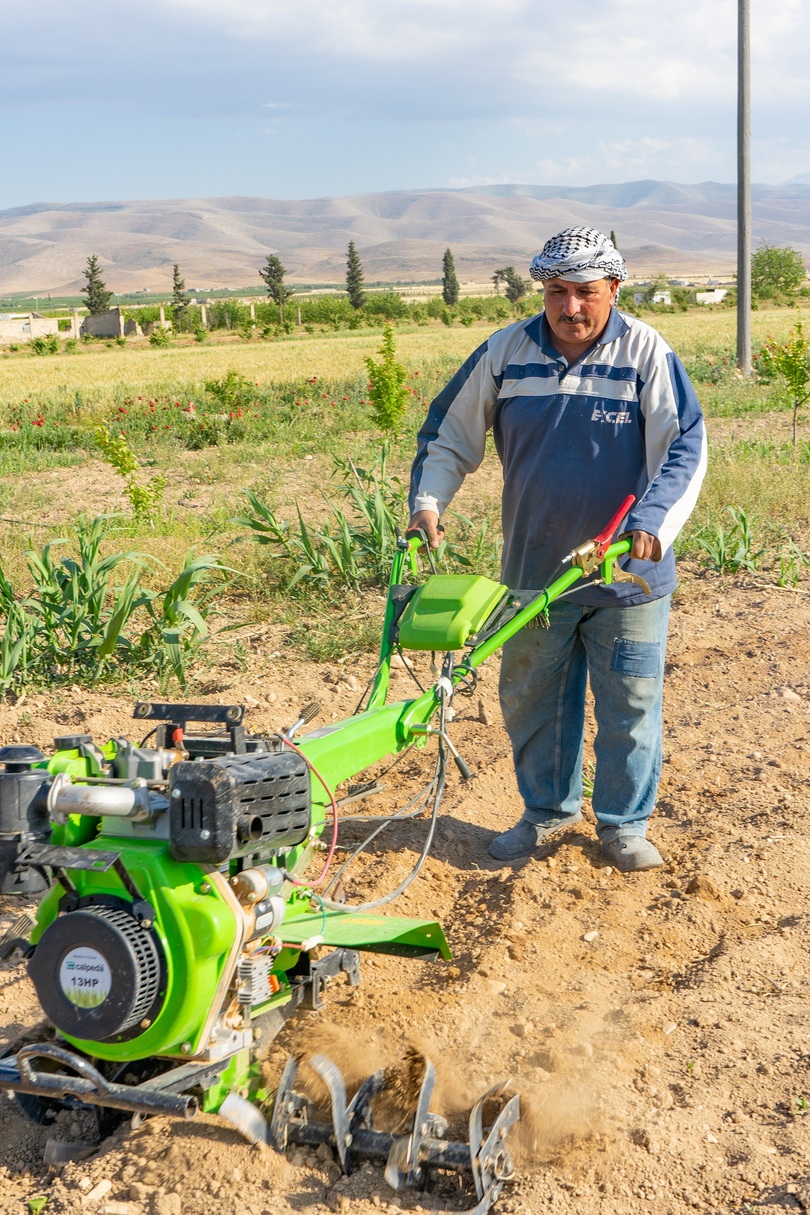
{"x":85,"y":977}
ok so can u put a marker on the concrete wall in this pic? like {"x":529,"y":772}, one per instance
{"x":104,"y":324}
{"x":22,"y":327}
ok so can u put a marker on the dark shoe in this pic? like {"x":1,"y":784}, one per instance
{"x":525,"y":836}
{"x":632,"y":854}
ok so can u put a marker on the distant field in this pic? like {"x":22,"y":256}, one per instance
{"x":703,"y":327}
{"x":141,"y":369}
{"x":300,"y":406}
{"x":138,"y":368}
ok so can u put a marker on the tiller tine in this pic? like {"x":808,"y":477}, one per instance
{"x":408,"y":1156}
{"x":245,"y":1118}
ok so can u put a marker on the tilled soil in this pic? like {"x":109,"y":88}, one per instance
{"x":653,"y":1024}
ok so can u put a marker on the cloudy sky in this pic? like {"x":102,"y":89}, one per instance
{"x":305,"y":98}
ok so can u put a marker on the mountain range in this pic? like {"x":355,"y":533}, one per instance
{"x":660,"y":226}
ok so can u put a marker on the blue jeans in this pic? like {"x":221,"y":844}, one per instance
{"x":544,"y":673}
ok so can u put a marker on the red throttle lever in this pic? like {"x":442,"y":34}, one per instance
{"x":591,"y":553}
{"x":602,"y":542}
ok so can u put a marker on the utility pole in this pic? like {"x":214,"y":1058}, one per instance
{"x":744,"y":187}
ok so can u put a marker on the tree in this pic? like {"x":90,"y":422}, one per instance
{"x":179,"y":299}
{"x":354,"y":277}
{"x":98,"y":297}
{"x":516,"y":287}
{"x":273,"y":276}
{"x":776,"y":271}
{"x":449,"y":280}
{"x":659,"y":284}
{"x":791,"y":361}
{"x":613,"y":239}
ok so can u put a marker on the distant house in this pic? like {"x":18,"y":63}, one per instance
{"x":660,"y":297}
{"x":715,"y":296}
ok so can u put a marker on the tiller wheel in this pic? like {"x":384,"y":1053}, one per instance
{"x":410,"y":1155}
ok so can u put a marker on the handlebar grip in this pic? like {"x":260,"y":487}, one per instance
{"x":463,"y":767}
{"x":419,"y":533}
{"x":605,"y":536}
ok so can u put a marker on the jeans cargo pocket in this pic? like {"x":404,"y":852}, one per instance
{"x":639,"y":658}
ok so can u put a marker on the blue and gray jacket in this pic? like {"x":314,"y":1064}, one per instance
{"x":574,"y":441}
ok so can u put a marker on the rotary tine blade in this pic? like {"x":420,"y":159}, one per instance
{"x":359,"y":1111}
{"x":341,"y":1121}
{"x":403,"y":1166}
{"x":246,"y":1119}
{"x":407,"y":1156}
{"x":491,"y":1162}
{"x":288,"y":1108}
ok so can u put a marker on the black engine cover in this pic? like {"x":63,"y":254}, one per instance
{"x":98,"y":973}
{"x":238,"y":806}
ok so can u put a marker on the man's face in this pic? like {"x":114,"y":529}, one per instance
{"x":578,"y":312}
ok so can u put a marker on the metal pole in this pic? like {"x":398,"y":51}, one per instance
{"x":743,"y":187}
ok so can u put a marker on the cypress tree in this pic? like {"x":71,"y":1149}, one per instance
{"x":516,"y":287}
{"x":354,"y":277}
{"x":273,"y":276}
{"x":98,"y":297}
{"x":449,"y":280}
{"x":613,"y":238}
{"x":179,"y":300}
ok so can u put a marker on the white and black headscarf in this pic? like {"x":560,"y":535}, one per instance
{"x":580,"y":255}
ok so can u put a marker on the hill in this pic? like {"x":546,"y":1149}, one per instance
{"x":688,"y":230}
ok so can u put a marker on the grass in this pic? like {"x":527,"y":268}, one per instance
{"x":100,"y":374}
{"x":298,"y":403}
{"x":707,"y":329}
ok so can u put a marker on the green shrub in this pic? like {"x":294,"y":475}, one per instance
{"x":387,"y":392}
{"x":789,"y":361}
{"x":146,"y":500}
{"x":49,"y":344}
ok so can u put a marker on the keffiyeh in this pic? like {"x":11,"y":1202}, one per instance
{"x":580,"y":255}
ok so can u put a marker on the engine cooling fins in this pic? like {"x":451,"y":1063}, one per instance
{"x":417,"y":1148}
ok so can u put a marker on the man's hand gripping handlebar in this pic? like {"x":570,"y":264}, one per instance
{"x":640,"y":545}
{"x":426,"y":525}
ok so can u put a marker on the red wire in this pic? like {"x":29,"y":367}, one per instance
{"x":330,"y":854}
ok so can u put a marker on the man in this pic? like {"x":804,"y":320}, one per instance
{"x":586,"y":405}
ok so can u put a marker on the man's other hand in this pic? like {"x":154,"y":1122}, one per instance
{"x":645,"y":547}
{"x":428,"y":522}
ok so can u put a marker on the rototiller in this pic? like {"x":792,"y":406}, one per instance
{"x":183,"y":922}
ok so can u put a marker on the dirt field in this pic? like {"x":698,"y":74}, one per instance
{"x":654,"y":1024}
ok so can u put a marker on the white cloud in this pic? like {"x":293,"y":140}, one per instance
{"x":652,"y":157}
{"x":388,"y":30}
{"x":378,"y":94}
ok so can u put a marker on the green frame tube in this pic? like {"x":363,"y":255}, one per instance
{"x":345,"y":748}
